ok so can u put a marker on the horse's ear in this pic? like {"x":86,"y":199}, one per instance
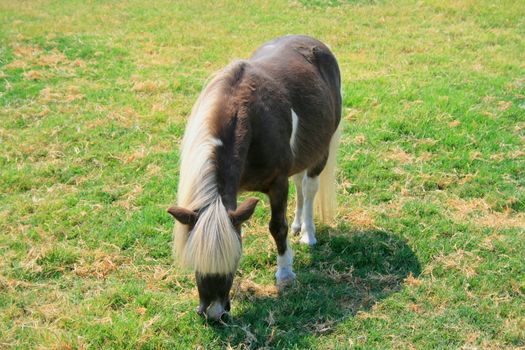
{"x":184,"y":216}
{"x":244,"y":211}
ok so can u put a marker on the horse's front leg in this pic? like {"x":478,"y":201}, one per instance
{"x":279,"y":229}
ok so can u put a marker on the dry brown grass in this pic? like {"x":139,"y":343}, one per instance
{"x":460,"y":260}
{"x":33,"y":75}
{"x":99,"y":264}
{"x":359,"y":139}
{"x":399,"y":155}
{"x":248,"y":289}
{"x":478,"y":211}
{"x":127,"y":201}
{"x":361,"y":218}
{"x":16,"y":64}
{"x":149,"y":86}
{"x":53,"y":59}
{"x":412,"y":281}
{"x":454,"y":123}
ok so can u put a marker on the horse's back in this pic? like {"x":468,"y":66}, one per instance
{"x":308,"y":74}
{"x":293,"y":58}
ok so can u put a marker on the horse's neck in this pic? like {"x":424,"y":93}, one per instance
{"x":231,"y":159}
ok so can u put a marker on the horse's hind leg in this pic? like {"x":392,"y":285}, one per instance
{"x":279,"y":229}
{"x":310,"y":186}
{"x":299,"y":202}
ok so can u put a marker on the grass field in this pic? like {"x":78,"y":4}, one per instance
{"x":429,"y":247}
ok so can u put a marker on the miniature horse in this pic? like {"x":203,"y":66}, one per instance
{"x":256,"y":123}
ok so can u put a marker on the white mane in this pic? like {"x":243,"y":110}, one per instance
{"x":213,"y":246}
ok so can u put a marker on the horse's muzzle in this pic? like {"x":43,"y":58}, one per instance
{"x":215,"y":311}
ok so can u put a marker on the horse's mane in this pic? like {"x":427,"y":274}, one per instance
{"x":213,"y":247}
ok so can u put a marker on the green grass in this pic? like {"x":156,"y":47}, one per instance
{"x":428,"y":250}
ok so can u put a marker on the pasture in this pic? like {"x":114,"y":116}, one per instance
{"x":428,"y":251}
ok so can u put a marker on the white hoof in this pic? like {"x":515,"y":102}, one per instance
{"x":296,"y":227}
{"x":284,"y":277}
{"x":307,"y":239}
{"x":308,"y":235}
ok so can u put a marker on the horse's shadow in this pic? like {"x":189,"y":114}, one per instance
{"x":345,"y":273}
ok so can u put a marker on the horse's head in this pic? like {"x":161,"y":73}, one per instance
{"x":213,"y":251}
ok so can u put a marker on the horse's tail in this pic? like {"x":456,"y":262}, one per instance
{"x":326,"y":201}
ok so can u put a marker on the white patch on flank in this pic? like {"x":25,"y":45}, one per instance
{"x":295,"y":123}
{"x":212,"y":247}
{"x":285,"y":266}
{"x":310,"y":187}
